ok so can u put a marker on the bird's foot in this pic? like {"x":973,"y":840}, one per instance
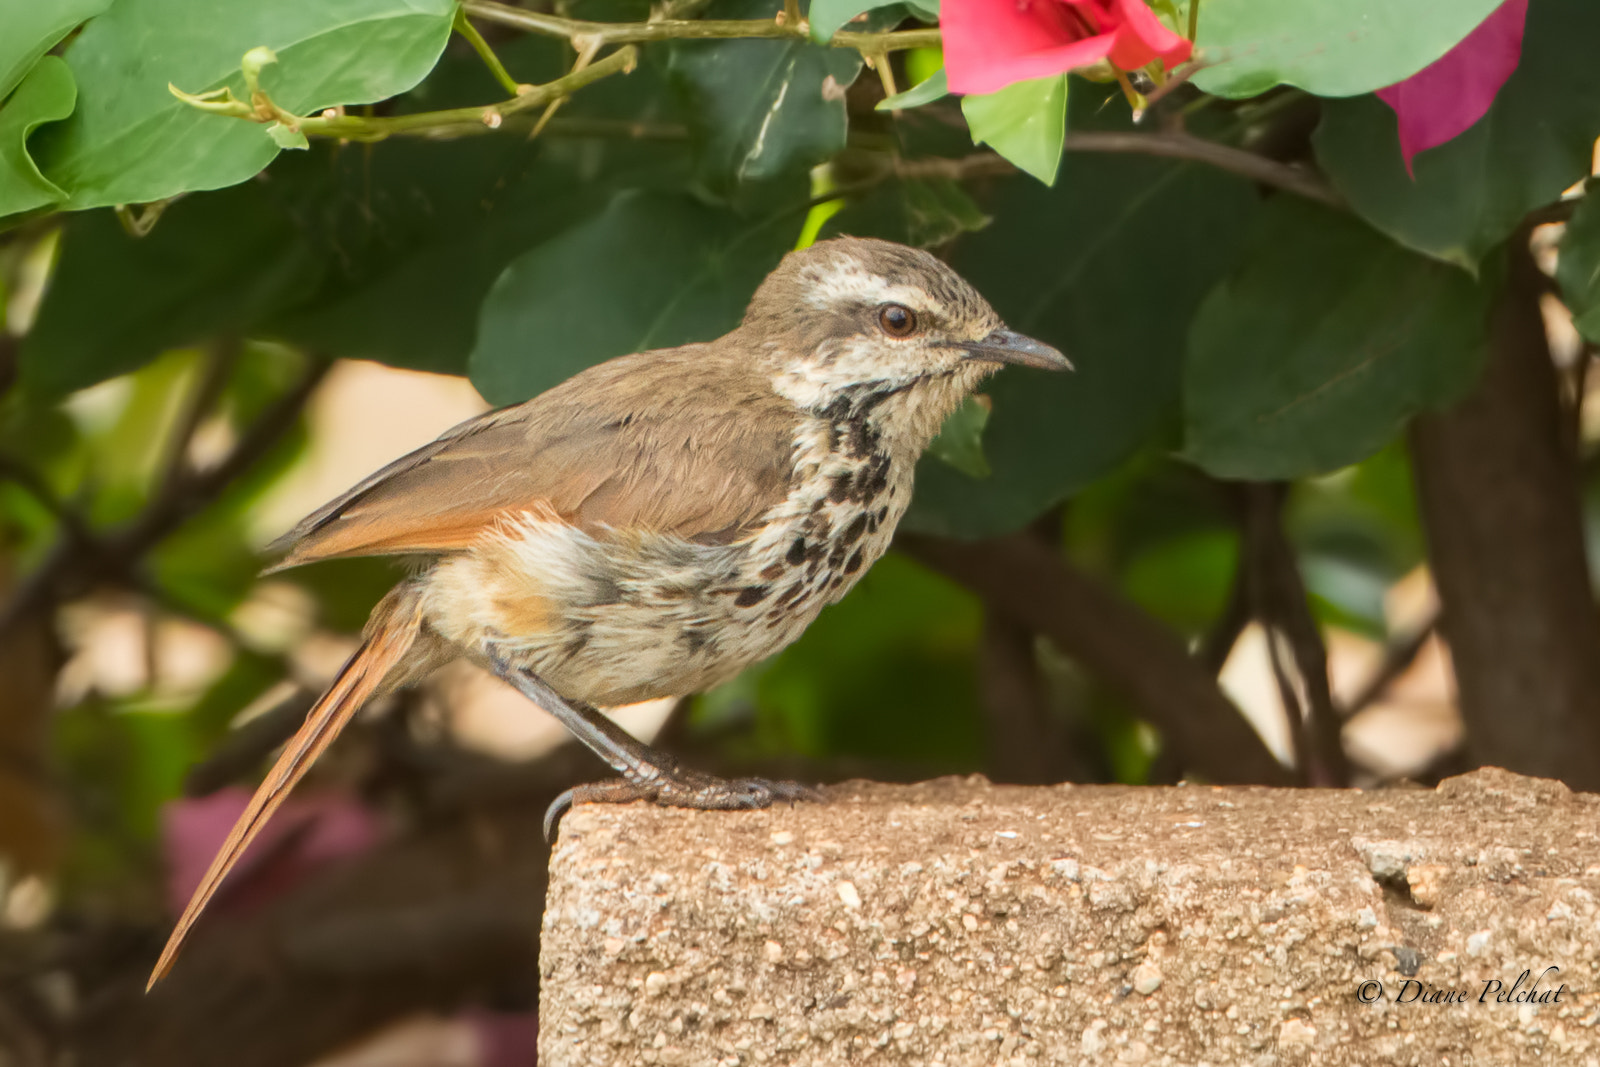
{"x":680,"y":787}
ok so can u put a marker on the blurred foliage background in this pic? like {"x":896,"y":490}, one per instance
{"x":1316,"y":507}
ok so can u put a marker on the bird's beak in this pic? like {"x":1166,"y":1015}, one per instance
{"x":1006,"y":346}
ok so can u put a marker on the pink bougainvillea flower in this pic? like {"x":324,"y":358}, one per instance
{"x":308,"y":833}
{"x":1443,"y":99}
{"x":988,"y":44}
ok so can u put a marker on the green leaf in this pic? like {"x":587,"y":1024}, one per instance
{"x":652,"y":270}
{"x":129,"y":763}
{"x":215,"y":262}
{"x":1331,"y":49}
{"x":923,"y":63}
{"x":828,"y":17}
{"x":384,"y":253}
{"x":916,"y":212}
{"x":45,"y":95}
{"x":131,"y":140}
{"x":1374,"y":524}
{"x":417,"y":231}
{"x":925,"y":92}
{"x":960,"y":440}
{"x":1109,"y":267}
{"x":1578,"y":268}
{"x":1184,"y":580}
{"x":284,"y":137}
{"x":32,"y":28}
{"x":1471,"y":193}
{"x":1026,"y":122}
{"x":124,"y":446}
{"x":762,"y":109}
{"x":1316,"y":352}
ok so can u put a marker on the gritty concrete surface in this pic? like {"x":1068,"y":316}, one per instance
{"x":956,"y":922}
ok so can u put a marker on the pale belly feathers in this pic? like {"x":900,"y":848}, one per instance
{"x":615,"y":617}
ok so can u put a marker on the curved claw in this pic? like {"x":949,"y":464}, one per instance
{"x":552,"y":815}
{"x":614,"y":791}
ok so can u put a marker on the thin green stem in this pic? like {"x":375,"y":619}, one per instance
{"x":1194,"y":18}
{"x":880,"y":63}
{"x":466,"y":29}
{"x":679,"y":30}
{"x":586,"y":55}
{"x":1136,"y":100}
{"x":138,"y":221}
{"x":443,"y":124}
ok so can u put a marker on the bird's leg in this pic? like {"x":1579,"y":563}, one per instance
{"x":646,"y":773}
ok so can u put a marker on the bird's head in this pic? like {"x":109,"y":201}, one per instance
{"x":859,"y":324}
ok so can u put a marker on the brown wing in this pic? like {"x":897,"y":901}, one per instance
{"x":684,"y":441}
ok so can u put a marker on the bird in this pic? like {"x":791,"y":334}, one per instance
{"x":659,"y":521}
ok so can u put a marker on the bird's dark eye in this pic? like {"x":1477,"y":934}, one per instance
{"x":897,"y":320}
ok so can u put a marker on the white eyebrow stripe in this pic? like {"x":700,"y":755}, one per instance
{"x":843,"y":281}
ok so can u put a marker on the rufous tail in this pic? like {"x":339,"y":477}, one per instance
{"x":390,"y":633}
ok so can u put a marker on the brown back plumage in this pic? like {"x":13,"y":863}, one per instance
{"x":690,"y":441}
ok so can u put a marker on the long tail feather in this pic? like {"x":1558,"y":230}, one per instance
{"x":394,"y":627}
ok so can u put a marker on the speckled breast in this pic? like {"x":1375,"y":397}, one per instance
{"x":848,"y":495}
{"x":616,"y":618}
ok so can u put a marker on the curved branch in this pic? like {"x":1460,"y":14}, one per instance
{"x":451,"y":122}
{"x":1238,"y":161}
{"x":469,"y":119}
{"x":81,"y":557}
{"x":1397,"y":659}
{"x":1030,"y":583}
{"x":1167,"y":145}
{"x":690,"y":29}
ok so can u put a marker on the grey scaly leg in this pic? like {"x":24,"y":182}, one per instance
{"x":646,"y":773}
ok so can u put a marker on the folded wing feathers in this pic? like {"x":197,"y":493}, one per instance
{"x":623,"y":445}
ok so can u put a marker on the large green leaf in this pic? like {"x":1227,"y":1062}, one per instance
{"x":960,"y":440}
{"x":382,"y":253}
{"x":1358,"y":532}
{"x":1336,"y":48}
{"x":1578,"y":269}
{"x":32,"y":28}
{"x":652,"y":270}
{"x":1323,"y":344}
{"x":1109,"y":267}
{"x":924,"y":213}
{"x":131,"y":140}
{"x":1470,"y":193}
{"x":221,"y":261}
{"x":418,"y":230}
{"x":45,"y":95}
{"x":934,"y":87}
{"x":1026,"y":122}
{"x":1185,"y":579}
{"x":828,"y":17}
{"x":762,"y":109}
